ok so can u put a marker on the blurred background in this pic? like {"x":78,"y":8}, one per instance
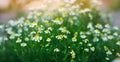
{"x":10,"y":9}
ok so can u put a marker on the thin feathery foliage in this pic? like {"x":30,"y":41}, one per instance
{"x":73,"y":32}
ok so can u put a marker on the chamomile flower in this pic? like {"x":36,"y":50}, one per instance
{"x":83,"y":36}
{"x":85,"y":10}
{"x":90,"y":26}
{"x":65,"y":36}
{"x":118,"y":54}
{"x":18,"y":40}
{"x":26,"y":39}
{"x":47,"y":31}
{"x":23,"y":44}
{"x":95,"y":39}
{"x":107,"y":58}
{"x":116,"y":28}
{"x":64,"y":30}
{"x":106,"y":30}
{"x":88,"y":32}
{"x":76,"y":33}
{"x":48,"y":39}
{"x":89,"y":44}
{"x":86,"y":50}
{"x":59,"y":36}
{"x":99,"y":26}
{"x":19,"y":30}
{"x":73,"y":54}
{"x":50,"y":28}
{"x":74,"y":39}
{"x":37,"y":38}
{"x":115,"y":34}
{"x":58,"y":21}
{"x":104,"y":38}
{"x":56,"y":50}
{"x":118,"y":43}
{"x":33,"y":24}
{"x":108,"y":52}
{"x":92,"y":49}
{"x":110,"y":37}
{"x":107,"y":25}
{"x":12,"y":36}
{"x":33,"y":32}
{"x":86,"y":40}
{"x":97,"y":31}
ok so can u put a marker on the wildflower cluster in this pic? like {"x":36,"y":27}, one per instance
{"x":66,"y":34}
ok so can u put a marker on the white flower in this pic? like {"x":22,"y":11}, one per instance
{"x":18,"y":40}
{"x":64,"y":36}
{"x":33,"y":32}
{"x":48,"y":40}
{"x":110,"y":37}
{"x":23,"y":44}
{"x":64,"y":30}
{"x":106,"y":30}
{"x":9,"y":30}
{"x":33,"y":24}
{"x":116,"y":60}
{"x":80,"y":43}
{"x":116,"y":28}
{"x":108,"y":52}
{"x":73,"y":54}
{"x":92,"y":49}
{"x":89,"y":44}
{"x":107,"y":58}
{"x":50,"y":28}
{"x":86,"y":40}
{"x":107,"y":26}
{"x":85,"y":10}
{"x":74,"y":39}
{"x":12,"y":22}
{"x":18,"y":34}
{"x":26,"y":39}
{"x":56,"y":50}
{"x":90,"y":26}
{"x":95,"y":39}
{"x":97,"y":31}
{"x":118,"y":43}
{"x":83,"y":36}
{"x":37,"y":38}
{"x":99,"y":26}
{"x":59,"y":36}
{"x":19,"y":30}
{"x":25,"y":28}
{"x":86,"y":50}
{"x":58,"y":21}
{"x":82,"y":33}
{"x":88,"y":33}
{"x":47,"y":31}
{"x":118,"y":54}
{"x":12,"y":36}
{"x":104,"y":38}
{"x":115,"y":34}
{"x":90,"y":16}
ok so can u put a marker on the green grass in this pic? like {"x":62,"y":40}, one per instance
{"x":54,"y":36}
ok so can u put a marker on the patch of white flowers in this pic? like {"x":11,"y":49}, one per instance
{"x":49,"y":29}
